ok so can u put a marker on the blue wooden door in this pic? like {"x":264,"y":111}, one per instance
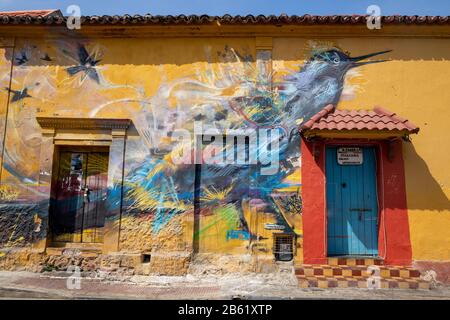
{"x":352,"y":206}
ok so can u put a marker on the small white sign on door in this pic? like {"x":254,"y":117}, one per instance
{"x":349,"y":156}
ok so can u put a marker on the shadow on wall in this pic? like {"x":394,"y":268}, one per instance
{"x":183,"y":51}
{"x":425,"y":193}
{"x":68,"y":50}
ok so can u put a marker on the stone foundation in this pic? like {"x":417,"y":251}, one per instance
{"x":167,"y":264}
{"x":120,"y":263}
{"x":175,"y":263}
{"x":21,"y":259}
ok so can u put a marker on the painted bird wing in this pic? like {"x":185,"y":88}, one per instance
{"x":93,"y":74}
{"x":10,"y":90}
{"x":257,"y":111}
{"x":74,"y":70}
{"x":22,"y":59}
{"x":16,"y":94}
{"x":83,"y":55}
{"x":16,"y":97}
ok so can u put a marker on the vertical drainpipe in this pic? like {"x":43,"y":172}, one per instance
{"x":263,"y":48}
{"x":12,"y":46}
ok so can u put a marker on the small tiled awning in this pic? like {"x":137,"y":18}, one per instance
{"x":376,"y":124}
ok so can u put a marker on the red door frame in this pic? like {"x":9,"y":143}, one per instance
{"x":393,"y":230}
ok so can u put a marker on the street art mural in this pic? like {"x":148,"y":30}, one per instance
{"x":175,"y":175}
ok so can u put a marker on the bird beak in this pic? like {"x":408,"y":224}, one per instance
{"x":356,"y":61}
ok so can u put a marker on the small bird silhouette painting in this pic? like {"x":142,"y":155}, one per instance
{"x":22,"y":58}
{"x":86,"y":65}
{"x":46,"y":57}
{"x":18,"y":95}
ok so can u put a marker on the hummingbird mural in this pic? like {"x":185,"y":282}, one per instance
{"x":225,"y":99}
{"x":320,"y":82}
{"x":158,"y":185}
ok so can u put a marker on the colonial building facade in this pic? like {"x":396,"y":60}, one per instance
{"x":160,"y":144}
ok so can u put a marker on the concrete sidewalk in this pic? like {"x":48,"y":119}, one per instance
{"x":26,"y":285}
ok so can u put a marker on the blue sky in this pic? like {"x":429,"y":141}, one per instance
{"x":219,"y":7}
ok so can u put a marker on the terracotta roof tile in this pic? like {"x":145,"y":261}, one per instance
{"x":379,"y":119}
{"x":31,"y":13}
{"x":27,"y":17}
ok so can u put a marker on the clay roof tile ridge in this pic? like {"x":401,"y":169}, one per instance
{"x":378,"y":119}
{"x":326,"y":110}
{"x":383,"y":111}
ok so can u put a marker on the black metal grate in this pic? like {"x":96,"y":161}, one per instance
{"x":283,"y":246}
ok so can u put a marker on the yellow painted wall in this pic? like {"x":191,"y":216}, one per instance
{"x":414,"y":84}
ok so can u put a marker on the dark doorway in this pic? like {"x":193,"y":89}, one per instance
{"x":80,"y":189}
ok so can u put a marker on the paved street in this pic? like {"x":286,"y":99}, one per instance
{"x":26,"y":285}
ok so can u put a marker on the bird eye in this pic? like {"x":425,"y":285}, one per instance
{"x":336,"y":60}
